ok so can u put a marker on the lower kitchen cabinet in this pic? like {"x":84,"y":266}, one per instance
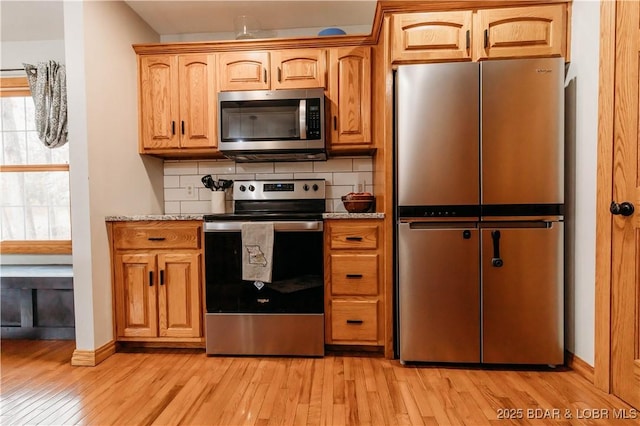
{"x":354,"y":296}
{"x":157,"y":282}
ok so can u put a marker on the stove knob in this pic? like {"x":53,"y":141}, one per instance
{"x":305,"y":187}
{"x":242,"y":188}
{"x":252,"y":188}
{"x":315,"y":187}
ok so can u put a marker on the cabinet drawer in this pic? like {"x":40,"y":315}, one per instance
{"x":354,"y":237}
{"x":354,"y":320}
{"x":354,"y":274}
{"x":157,"y":236}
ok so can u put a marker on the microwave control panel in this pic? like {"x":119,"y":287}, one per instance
{"x":313,"y":119}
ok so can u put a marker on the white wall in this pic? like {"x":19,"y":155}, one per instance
{"x":289,"y":32}
{"x":14,"y":53}
{"x":582,"y":142}
{"x":107,"y":175}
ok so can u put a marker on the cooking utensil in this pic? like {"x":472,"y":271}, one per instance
{"x":207,"y":181}
{"x":219,"y":185}
{"x":225,"y":183}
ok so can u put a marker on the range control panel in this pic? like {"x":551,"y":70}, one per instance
{"x":295,"y":189}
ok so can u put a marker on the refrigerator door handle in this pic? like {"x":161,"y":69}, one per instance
{"x":496,"y":261}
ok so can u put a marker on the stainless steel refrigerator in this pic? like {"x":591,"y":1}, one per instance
{"x":479,"y":166}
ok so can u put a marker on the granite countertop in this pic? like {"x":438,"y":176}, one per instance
{"x":131,"y":218}
{"x":345,"y":215}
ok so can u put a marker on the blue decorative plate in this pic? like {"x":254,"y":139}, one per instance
{"x":331,"y":32}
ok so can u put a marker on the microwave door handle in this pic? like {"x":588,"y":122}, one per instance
{"x":302,"y":111}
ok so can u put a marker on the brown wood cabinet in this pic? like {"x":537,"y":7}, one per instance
{"x":157,"y":281}
{"x":177,"y":103}
{"x":465,"y":35}
{"x":278,"y":69}
{"x":520,"y":32}
{"x":431,"y":36}
{"x":354,"y":298}
{"x":349,"y":98}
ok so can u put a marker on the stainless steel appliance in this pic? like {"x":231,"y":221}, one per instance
{"x":281,"y":317}
{"x":272,"y":125}
{"x":480,"y":204}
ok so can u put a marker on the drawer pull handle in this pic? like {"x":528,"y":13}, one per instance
{"x":354,"y":238}
{"x":354,"y":321}
{"x":156,"y":238}
{"x":354,"y":275}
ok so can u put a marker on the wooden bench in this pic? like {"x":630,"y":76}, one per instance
{"x":36,"y":302}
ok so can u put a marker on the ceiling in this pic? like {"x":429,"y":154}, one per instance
{"x":45,"y":18}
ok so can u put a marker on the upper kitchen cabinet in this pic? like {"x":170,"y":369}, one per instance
{"x":177,"y":103}
{"x":349,"y":98}
{"x":243,"y":71}
{"x":298,"y":69}
{"x":520,"y":32}
{"x":278,"y":69}
{"x":431,"y":36}
{"x":464,"y":35}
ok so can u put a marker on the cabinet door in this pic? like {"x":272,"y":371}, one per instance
{"x":159,"y":102}
{"x":350,"y":96}
{"x":135,"y":295}
{"x":433,"y":36}
{"x":520,"y":32}
{"x":243,"y":71}
{"x":298,"y":69}
{"x":180,"y":312}
{"x":197,"y":101}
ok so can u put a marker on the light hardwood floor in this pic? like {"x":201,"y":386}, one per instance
{"x":39,"y":386}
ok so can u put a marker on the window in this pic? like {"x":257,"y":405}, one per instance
{"x":34,"y":179}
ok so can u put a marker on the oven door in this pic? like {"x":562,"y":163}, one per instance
{"x":297,"y":283}
{"x":284,"y":317}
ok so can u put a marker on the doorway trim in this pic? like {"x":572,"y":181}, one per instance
{"x":602,"y":367}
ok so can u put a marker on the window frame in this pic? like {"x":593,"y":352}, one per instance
{"x":19,"y":87}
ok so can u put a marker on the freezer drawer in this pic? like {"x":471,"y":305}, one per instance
{"x":438,"y":290}
{"x":522,"y":293}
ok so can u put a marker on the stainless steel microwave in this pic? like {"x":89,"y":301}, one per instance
{"x":272,"y":125}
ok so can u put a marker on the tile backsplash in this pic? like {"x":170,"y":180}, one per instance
{"x":184,"y":192}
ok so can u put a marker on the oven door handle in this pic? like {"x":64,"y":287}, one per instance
{"x":289,"y":226}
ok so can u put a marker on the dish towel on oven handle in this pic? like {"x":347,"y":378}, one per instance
{"x":257,"y":251}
